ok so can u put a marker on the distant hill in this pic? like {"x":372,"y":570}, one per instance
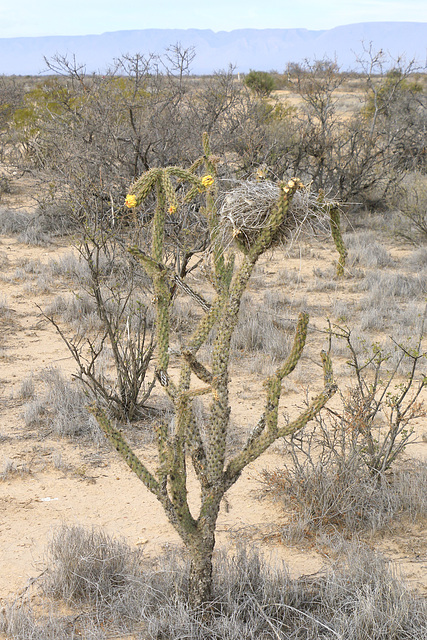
{"x":261,"y":49}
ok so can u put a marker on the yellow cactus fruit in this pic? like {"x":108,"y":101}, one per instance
{"x":207,"y":181}
{"x":131,"y":201}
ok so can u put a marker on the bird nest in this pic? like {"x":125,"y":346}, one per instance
{"x":245,"y":211}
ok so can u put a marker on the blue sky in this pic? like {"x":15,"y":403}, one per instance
{"x":83,"y":17}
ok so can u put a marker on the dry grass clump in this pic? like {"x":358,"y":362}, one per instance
{"x":417,"y":260}
{"x":340,"y":497}
{"x":74,"y":267}
{"x":13,"y":222}
{"x":393,"y":301}
{"x":27,"y":226}
{"x":88,"y":565}
{"x":60,"y":406}
{"x":4,"y":307}
{"x":11,"y":469}
{"x":261,"y":333}
{"x":184,"y":313}
{"x":245,"y":210}
{"x":395,"y":285}
{"x":375,"y":316}
{"x":27,"y":388}
{"x":71,"y":267}
{"x":289,"y":276}
{"x":264,"y":329}
{"x":365,"y":250}
{"x":4,"y":260}
{"x":358,"y":598}
{"x":20,"y":622}
{"x":77,"y":310}
{"x":39,"y":227}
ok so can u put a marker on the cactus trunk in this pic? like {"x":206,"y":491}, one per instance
{"x":200,"y":578}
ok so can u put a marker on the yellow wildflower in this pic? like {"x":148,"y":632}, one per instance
{"x":172,"y":209}
{"x":131,"y":201}
{"x":207,"y":181}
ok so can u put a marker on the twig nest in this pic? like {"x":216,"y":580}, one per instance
{"x":246,"y":210}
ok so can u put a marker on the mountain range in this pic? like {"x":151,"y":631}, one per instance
{"x":260,"y":49}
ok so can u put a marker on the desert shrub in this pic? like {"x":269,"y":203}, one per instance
{"x":326,"y":489}
{"x":365,"y":156}
{"x":260,"y":82}
{"x":411,"y":202}
{"x":113,"y":350}
{"x":380,"y":408}
{"x":107,"y":319}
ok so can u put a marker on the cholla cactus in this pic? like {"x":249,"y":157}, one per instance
{"x":215,"y":473}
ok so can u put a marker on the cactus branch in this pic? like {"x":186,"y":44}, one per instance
{"x":335,"y":222}
{"x":263,"y":438}
{"x":120,"y":444}
{"x":196,"y":367}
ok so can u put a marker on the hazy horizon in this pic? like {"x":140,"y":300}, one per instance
{"x":48,"y":18}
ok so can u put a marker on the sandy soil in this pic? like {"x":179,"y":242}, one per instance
{"x":58,"y":481}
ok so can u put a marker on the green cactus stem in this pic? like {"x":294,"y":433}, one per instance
{"x":335,"y":222}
